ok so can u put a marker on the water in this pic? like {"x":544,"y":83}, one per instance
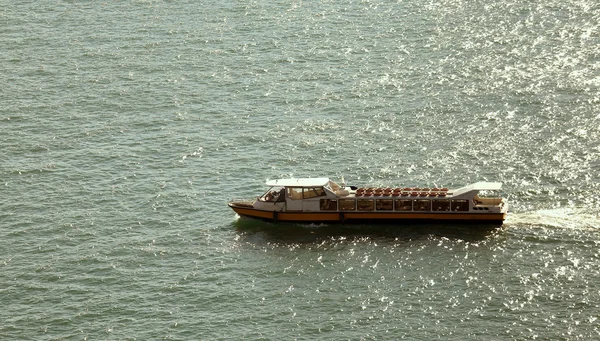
{"x":127,"y":126}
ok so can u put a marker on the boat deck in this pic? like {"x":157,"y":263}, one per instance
{"x":402,"y":192}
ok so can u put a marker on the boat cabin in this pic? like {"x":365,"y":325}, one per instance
{"x":320,"y":199}
{"x":300,"y":194}
{"x":322,"y":194}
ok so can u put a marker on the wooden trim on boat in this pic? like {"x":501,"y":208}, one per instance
{"x":347,"y":216}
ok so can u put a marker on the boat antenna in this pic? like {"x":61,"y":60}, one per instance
{"x":343,"y":182}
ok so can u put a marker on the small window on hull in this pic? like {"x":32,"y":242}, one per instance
{"x":384,"y":204}
{"x":347,"y":204}
{"x":441,"y":205}
{"x":328,"y":205}
{"x":460,"y":205}
{"x":422,"y":205}
{"x":404,"y":205}
{"x":365,"y":205}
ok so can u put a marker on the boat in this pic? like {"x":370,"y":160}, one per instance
{"x":320,"y":200}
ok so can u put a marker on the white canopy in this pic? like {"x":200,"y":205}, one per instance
{"x":479,"y":186}
{"x":485,"y":186}
{"x":298,"y":182}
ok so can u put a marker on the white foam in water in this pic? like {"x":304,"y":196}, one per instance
{"x":567,"y":218}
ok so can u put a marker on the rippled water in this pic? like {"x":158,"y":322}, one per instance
{"x":127,"y":126}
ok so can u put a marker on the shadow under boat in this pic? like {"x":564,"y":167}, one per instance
{"x":405,"y":230}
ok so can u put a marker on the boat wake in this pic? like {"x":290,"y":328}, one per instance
{"x":563,"y":218}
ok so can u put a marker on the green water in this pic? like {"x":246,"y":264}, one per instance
{"x":127,"y":126}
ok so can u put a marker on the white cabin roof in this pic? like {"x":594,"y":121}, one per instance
{"x":485,"y":186}
{"x":479,"y":186}
{"x":298,"y":182}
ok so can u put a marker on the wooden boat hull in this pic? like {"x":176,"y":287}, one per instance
{"x":342,"y":217}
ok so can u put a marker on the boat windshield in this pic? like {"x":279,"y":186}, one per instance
{"x":274,"y":194}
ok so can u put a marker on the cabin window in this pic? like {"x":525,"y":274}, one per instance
{"x":384,"y":204}
{"x":422,"y":205}
{"x":275,"y":194}
{"x":328,"y":205}
{"x":441,"y":205}
{"x":365,"y":205}
{"x":347,"y":204}
{"x":294,"y":193}
{"x":404,"y":205}
{"x":314,"y":192}
{"x":460,"y":205}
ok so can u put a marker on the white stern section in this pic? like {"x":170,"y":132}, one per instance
{"x":477,"y":187}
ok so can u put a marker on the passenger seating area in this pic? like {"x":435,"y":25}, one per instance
{"x":404,"y":192}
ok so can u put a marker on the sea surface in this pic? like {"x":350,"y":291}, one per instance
{"x":126,"y":126}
